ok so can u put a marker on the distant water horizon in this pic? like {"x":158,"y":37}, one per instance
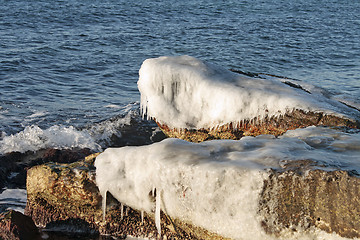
{"x":69,"y":69}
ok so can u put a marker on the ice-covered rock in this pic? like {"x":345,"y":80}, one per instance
{"x":302,"y":185}
{"x":64,"y":198}
{"x":236,"y":188}
{"x":196,"y":101}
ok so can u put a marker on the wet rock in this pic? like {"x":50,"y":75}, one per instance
{"x":13,"y":165}
{"x":16,"y":226}
{"x":138,"y":132}
{"x":61,"y":196}
{"x":64,"y":155}
{"x":270,"y":125}
{"x":8,"y":164}
{"x":57,"y":192}
{"x":299,"y":197}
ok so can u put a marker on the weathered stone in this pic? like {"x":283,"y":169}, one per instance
{"x":61,"y":195}
{"x":62,"y":191}
{"x":16,"y":162}
{"x":299,"y":197}
{"x":270,"y":125}
{"x":16,"y":226}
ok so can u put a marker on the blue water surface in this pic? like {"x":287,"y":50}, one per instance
{"x":65,"y":62}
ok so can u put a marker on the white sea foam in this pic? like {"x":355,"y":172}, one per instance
{"x":36,"y":115}
{"x":103,"y":131}
{"x":3,"y":134}
{"x":33,"y":138}
{"x":184,"y":92}
{"x":95,"y":137}
{"x":113,"y":106}
{"x":216,"y":184}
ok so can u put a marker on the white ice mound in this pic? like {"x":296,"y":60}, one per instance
{"x":185,"y":92}
{"x":215,"y":184}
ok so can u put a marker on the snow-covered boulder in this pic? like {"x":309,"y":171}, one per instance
{"x":64,"y":198}
{"x":301,"y":185}
{"x":263,"y":187}
{"x":196,"y":101}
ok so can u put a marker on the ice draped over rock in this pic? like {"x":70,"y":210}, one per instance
{"x":301,"y":184}
{"x":185,"y":92}
{"x":217,"y":184}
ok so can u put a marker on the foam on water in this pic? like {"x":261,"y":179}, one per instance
{"x":33,"y":138}
{"x":96,"y":136}
{"x":216,"y":184}
{"x":103,"y":131}
{"x":35,"y":115}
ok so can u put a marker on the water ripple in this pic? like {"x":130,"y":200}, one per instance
{"x":80,"y":55}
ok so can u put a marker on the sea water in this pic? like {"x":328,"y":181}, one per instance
{"x":72,"y":66}
{"x":68,"y":69}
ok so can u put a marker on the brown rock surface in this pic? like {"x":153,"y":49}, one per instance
{"x":272,"y":125}
{"x":299,"y":197}
{"x":59,"y":192}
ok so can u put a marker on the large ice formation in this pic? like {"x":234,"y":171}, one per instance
{"x":185,"y":92}
{"x":216,"y":184}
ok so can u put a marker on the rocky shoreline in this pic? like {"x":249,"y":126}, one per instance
{"x":64,"y":197}
{"x":298,"y":197}
{"x":13,"y":168}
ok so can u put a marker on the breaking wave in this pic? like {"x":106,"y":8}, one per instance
{"x":33,"y":138}
{"x":96,"y":136}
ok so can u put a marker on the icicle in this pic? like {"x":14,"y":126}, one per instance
{"x":104,"y":204}
{"x":122,"y":211}
{"x":142,"y":217}
{"x":157,"y":212}
{"x":126,"y":211}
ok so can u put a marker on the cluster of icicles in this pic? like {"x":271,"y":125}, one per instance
{"x":157,"y":209}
